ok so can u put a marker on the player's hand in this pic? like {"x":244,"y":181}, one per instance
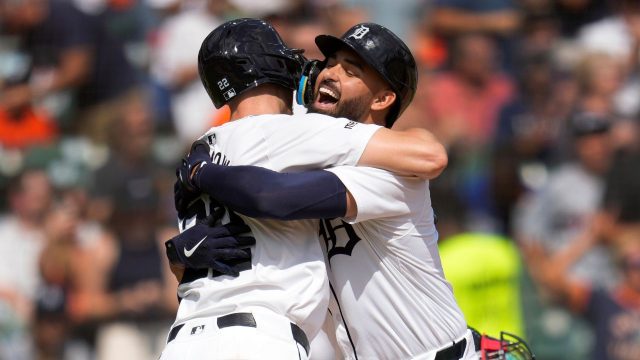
{"x":191,"y":204}
{"x":203,"y":246}
{"x":183,"y":199}
{"x":198,"y":156}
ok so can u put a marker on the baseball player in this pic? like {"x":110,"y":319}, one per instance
{"x":279,"y":298}
{"x":390,"y":299}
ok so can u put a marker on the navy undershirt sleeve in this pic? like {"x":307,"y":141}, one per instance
{"x":261,"y":193}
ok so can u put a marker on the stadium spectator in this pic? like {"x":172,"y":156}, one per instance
{"x":619,"y":36}
{"x":175,"y":66}
{"x":566,"y":205}
{"x":568,"y":57}
{"x":60,"y":267}
{"x":613,"y":313}
{"x":620,"y":209}
{"x":132,"y":281}
{"x":600,"y":77}
{"x":25,"y":127}
{"x":563,"y":210}
{"x":530,"y":132}
{"x":69,"y":52}
{"x":21,"y":240}
{"x":540,"y":33}
{"x":462,"y":107}
{"x":464,"y":101}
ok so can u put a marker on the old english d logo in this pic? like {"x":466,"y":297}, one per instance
{"x":339,"y":239}
{"x":360,"y":32}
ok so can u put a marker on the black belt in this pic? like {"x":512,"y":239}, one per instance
{"x":453,"y":352}
{"x":247,"y":319}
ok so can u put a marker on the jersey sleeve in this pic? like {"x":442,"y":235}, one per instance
{"x":314,"y":141}
{"x":381,"y":194}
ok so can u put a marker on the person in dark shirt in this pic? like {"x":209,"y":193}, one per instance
{"x":620,"y":207}
{"x":68,"y":51}
{"x":614,"y":314}
{"x":138,"y":289}
{"x":622,"y":195}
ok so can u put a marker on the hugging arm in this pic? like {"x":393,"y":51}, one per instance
{"x":249,"y":190}
{"x":261,"y":193}
{"x":328,"y":142}
{"x":411,"y":152}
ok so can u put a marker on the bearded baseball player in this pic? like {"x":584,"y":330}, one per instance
{"x":390,"y":299}
{"x":277,"y":294}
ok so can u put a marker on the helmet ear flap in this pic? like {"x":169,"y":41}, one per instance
{"x":307,"y":82}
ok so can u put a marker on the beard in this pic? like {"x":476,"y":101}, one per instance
{"x":353,"y":109}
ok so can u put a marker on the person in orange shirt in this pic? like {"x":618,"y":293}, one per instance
{"x":25,"y":128}
{"x":463,"y":103}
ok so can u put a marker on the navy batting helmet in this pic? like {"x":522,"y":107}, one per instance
{"x":242,"y":54}
{"x":386,"y":53}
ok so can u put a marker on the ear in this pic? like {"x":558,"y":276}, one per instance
{"x":383,"y":100}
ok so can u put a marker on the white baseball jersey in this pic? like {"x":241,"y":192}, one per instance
{"x":391,"y":299}
{"x":288,"y":274}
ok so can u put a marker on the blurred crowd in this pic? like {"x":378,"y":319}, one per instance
{"x":537,"y":102}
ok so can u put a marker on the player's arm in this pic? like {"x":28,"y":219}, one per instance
{"x":413,"y":152}
{"x":318,"y":142}
{"x":262,"y":193}
{"x":551,"y":271}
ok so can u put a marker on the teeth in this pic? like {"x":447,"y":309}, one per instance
{"x":328,"y":92}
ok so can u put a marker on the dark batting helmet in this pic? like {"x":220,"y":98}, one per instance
{"x":386,"y":53}
{"x":242,"y":54}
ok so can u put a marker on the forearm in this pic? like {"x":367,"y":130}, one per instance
{"x":577,"y":248}
{"x":567,"y":290}
{"x":453,"y":22}
{"x":262,"y":193}
{"x":449,"y":21}
{"x":551,"y":272}
{"x":413,"y":152}
{"x":73,"y":70}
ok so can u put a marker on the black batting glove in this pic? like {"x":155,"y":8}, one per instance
{"x":190,"y":203}
{"x":197,"y":158}
{"x":184,"y":200}
{"x":218,"y":247}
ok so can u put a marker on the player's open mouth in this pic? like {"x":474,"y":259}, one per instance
{"x":327,"y":96}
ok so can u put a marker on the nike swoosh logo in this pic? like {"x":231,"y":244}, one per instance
{"x":188,"y":253}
